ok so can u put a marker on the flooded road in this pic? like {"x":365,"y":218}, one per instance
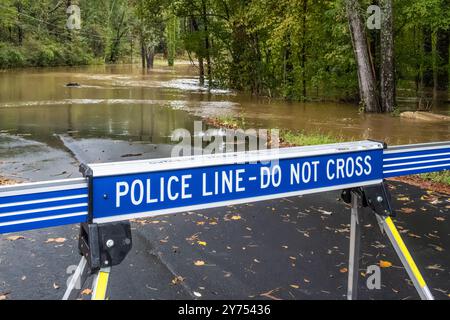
{"x":132,"y":109}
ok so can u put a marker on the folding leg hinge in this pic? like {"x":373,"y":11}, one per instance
{"x":376,"y":197}
{"x":104,"y":245}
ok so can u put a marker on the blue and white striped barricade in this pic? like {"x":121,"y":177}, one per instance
{"x":44,"y":204}
{"x":134,"y":189}
{"x":417,"y":158}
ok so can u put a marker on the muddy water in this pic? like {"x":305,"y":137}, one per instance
{"x":123,"y":105}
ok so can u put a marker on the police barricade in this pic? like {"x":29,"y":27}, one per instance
{"x":113,"y":193}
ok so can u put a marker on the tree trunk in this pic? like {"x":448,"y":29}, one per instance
{"x":303,"y":51}
{"x":150,"y":57}
{"x":367,"y":83}
{"x":207,"y":44}
{"x":387,"y":58}
{"x":143,"y":54}
{"x":427,"y":77}
{"x":20,"y":34}
{"x":442,"y":48}
{"x":201,"y":71}
{"x":201,"y":67}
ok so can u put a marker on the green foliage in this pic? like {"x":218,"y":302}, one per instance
{"x":438,"y":177}
{"x":11,"y":57}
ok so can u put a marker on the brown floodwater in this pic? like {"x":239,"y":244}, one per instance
{"x":122,"y":102}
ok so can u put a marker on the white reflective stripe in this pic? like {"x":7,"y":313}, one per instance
{"x":417,"y":168}
{"x":415,"y":162}
{"x":427,"y":294}
{"x":42,"y":190}
{"x":418,"y":147}
{"x":61,"y":216}
{"x":78,"y":205}
{"x":231,"y":202}
{"x":81,"y":196}
{"x":417,"y":157}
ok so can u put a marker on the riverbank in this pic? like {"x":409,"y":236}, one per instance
{"x":436,"y":182}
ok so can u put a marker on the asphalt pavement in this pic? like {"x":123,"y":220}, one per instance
{"x":293,"y":248}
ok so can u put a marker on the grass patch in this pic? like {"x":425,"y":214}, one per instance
{"x":308,"y":139}
{"x":437,"y":177}
{"x":230,"y":122}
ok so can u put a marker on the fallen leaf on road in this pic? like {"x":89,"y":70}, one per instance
{"x":435,"y":267}
{"x":295,"y":286}
{"x":86,"y":291}
{"x":385,"y":264}
{"x":177,"y":280}
{"x":194,"y":237}
{"x":269,"y":294}
{"x":199,"y":263}
{"x":403,"y":199}
{"x":14,"y":238}
{"x":236,"y":217}
{"x":202,"y":243}
{"x":408,"y":210}
{"x":56,"y":240}
{"x":343,"y":270}
{"x":437,"y":248}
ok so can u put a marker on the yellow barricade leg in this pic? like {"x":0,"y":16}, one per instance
{"x":400,"y":248}
{"x":100,"y":285}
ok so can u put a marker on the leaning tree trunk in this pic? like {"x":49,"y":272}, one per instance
{"x":207,"y":43}
{"x":442,"y":48}
{"x":150,"y":57}
{"x":387,"y":58}
{"x":367,"y":83}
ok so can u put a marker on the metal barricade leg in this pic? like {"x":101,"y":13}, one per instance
{"x":77,"y":280}
{"x":353,"y":265}
{"x":388,"y":226}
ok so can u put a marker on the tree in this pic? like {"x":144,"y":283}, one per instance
{"x":150,"y":28}
{"x":387,"y":74}
{"x":366,"y":78}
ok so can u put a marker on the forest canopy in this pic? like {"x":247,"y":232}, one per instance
{"x":291,"y":49}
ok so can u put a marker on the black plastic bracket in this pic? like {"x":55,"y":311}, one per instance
{"x":104,"y":245}
{"x":376,"y":197}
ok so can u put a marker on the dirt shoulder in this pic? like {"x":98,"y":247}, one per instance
{"x":424,"y":184}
